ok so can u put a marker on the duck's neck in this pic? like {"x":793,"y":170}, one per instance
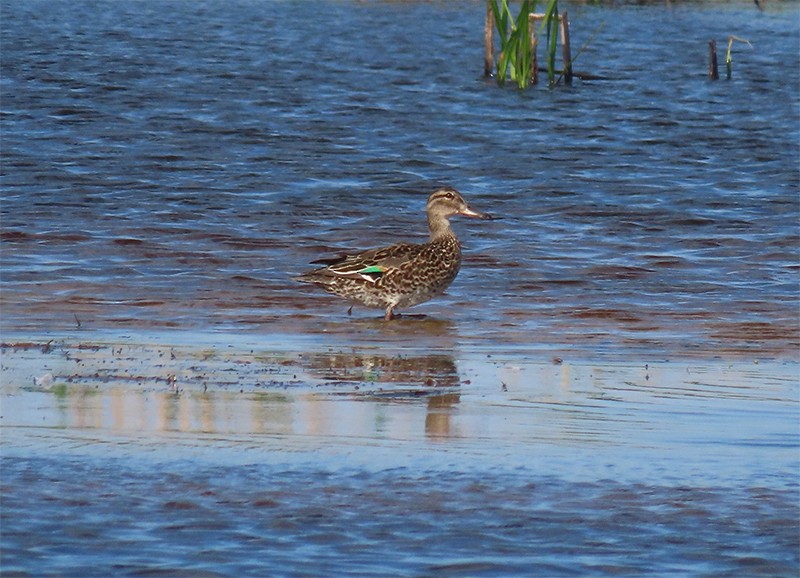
{"x":440,"y":228}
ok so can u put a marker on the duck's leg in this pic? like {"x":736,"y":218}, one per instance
{"x":350,"y":311}
{"x":389,"y":313}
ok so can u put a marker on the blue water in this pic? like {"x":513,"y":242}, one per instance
{"x":167,"y":167}
{"x":175,"y":165}
{"x":249,"y":460}
{"x":257,"y":520}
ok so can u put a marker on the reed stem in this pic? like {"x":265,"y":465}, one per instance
{"x":518,"y":42}
{"x":713,"y":69}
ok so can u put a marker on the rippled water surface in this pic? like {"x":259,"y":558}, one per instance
{"x":174,"y":164}
{"x":610,"y":387}
{"x":240,"y":461}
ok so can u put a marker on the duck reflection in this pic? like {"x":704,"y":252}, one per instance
{"x":397,"y":379}
{"x":320,"y":394}
{"x":438,"y":420}
{"x":435,"y":370}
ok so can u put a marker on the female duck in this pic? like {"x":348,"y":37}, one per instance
{"x":404,"y":274}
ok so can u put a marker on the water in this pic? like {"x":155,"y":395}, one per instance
{"x":609,"y":387}
{"x":385,"y":462}
{"x":456,"y":527}
{"x":175,"y":167}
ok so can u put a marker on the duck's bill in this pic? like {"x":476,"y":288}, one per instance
{"x":469,"y":212}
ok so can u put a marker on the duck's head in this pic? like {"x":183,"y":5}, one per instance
{"x":444,"y":203}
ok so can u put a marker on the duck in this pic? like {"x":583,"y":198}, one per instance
{"x":404,"y":274}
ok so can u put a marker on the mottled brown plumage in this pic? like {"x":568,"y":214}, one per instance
{"x":404,"y":274}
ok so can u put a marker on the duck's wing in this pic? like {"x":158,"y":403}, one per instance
{"x":371,"y":265}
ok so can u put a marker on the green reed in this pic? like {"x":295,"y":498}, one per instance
{"x":516,"y":49}
{"x":551,"y":25}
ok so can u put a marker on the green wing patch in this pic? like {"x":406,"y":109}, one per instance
{"x":372,"y":269}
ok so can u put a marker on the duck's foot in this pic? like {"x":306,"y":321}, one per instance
{"x":350,"y":311}
{"x":390,"y":314}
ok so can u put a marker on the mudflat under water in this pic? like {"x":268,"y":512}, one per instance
{"x":610,"y":386}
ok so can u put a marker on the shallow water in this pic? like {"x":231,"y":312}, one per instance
{"x":236,"y":459}
{"x":437,"y":524}
{"x":704,"y":422}
{"x":609,"y":388}
{"x":455,"y":463}
{"x":175,"y":167}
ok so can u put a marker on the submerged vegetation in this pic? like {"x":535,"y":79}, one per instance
{"x":518,"y":44}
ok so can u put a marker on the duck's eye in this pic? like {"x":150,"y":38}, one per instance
{"x":448,"y":196}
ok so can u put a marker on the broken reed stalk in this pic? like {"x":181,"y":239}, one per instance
{"x":728,"y":59}
{"x":566,"y":57}
{"x":713,"y":69}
